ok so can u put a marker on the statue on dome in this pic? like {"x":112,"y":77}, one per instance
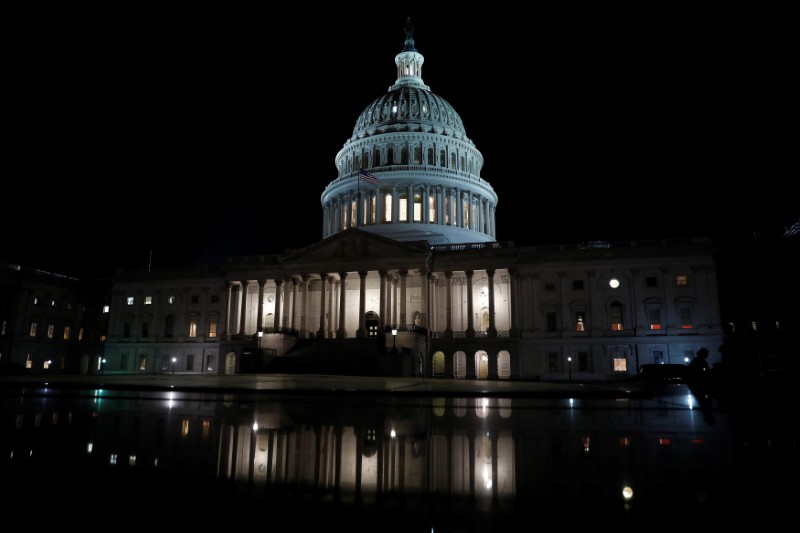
{"x":409,"y":45}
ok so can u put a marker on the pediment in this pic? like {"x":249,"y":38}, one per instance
{"x":356,"y":245}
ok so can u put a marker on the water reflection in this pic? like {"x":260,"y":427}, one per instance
{"x":448,"y":463}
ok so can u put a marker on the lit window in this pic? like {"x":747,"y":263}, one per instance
{"x":80,"y":334}
{"x":33,"y":329}
{"x":105,"y":309}
{"x":206,"y":429}
{"x":402,"y":208}
{"x":142,"y":363}
{"x":686,"y":317}
{"x":51,"y":329}
{"x":3,"y":327}
{"x":754,"y":326}
{"x":148,"y":300}
{"x":620,"y":364}
{"x":46,"y":364}
{"x":66,"y":333}
{"x":212,"y":328}
{"x":777,"y":324}
{"x":580,"y":318}
{"x":615,"y":316}
{"x":664,"y":441}
{"x":681,"y":280}
{"x":130,"y":300}
{"x":52,"y":303}
{"x":387,"y":208}
{"x":171,"y":300}
{"x":193,"y":328}
{"x":35,"y":300}
{"x":732,"y":326}
{"x":132,"y":460}
{"x":185,"y":427}
{"x":654,"y":317}
{"x":417,"y":208}
{"x":113,"y":459}
{"x":102,"y":338}
{"x":29,"y":361}
{"x":624,"y":441}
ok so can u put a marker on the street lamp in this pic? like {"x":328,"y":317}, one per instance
{"x":103,"y":366}
{"x":260,"y":334}
{"x":173,"y":364}
{"x":569,"y":363}
{"x":394,"y":340}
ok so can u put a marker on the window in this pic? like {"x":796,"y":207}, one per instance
{"x":130,"y":300}
{"x":193,"y":328}
{"x":123,"y":362}
{"x":551,"y":321}
{"x":46,"y":364}
{"x":654,"y":318}
{"x":681,"y":280}
{"x":215,"y":298}
{"x":549,"y":286}
{"x":583,"y":361}
{"x":402,"y":208}
{"x":69,"y":307}
{"x":80,"y":334}
{"x":142,"y":363}
{"x":580,"y":321}
{"x":148,"y":300}
{"x":753,"y":325}
{"x":189,"y":362}
{"x":185,"y":427}
{"x":620,"y":364}
{"x":615,"y":316}
{"x":29,"y":361}
{"x":195,"y":298}
{"x":52,"y":303}
{"x":577,"y":284}
{"x":686,"y":317}
{"x":51,"y":330}
{"x":66,"y":333}
{"x":126,"y":330}
{"x":552,"y":362}
{"x":171,"y":300}
{"x":35,"y":300}
{"x":212,"y":328}
{"x":651,"y":281}
{"x":169,"y":326}
{"x":105,"y":309}
{"x":206,"y":428}
{"x":3,"y":327}
{"x":145,"y":329}
{"x":658,"y":357}
{"x":32,"y":332}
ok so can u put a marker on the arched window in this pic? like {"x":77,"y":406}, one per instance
{"x":390,"y":156}
{"x":376,"y":158}
{"x":432,"y":209}
{"x":453,"y":161}
{"x":417,"y":155}
{"x":387,"y":207}
{"x":430,"y":157}
{"x":402,"y":208}
{"x":404,"y":155}
{"x":442,"y":158}
{"x":417,"y":207}
{"x":465,"y":205}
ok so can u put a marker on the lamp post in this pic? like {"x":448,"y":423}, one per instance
{"x":394,"y":340}
{"x":103,"y":366}
{"x":569,"y":364}
{"x":173,"y":364}
{"x":260,"y":334}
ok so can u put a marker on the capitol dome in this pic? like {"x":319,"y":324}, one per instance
{"x":409,"y":171}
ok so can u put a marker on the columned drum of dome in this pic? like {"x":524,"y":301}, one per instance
{"x":409,"y":172}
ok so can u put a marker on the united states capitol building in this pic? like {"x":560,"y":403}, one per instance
{"x":409,"y":268}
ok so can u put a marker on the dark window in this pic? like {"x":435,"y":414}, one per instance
{"x":551,"y":322}
{"x":145,"y":329}
{"x":552,"y":362}
{"x":169,"y":326}
{"x":583,"y":362}
{"x":549,"y":286}
{"x":195,"y":298}
{"x":126,"y":330}
{"x":190,"y":362}
{"x":214,"y":298}
{"x":577,"y":284}
{"x":651,"y":281}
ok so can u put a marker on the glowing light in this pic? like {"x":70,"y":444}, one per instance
{"x":613,"y":283}
{"x":255,"y":426}
{"x":89,"y":447}
{"x":392,"y":433}
{"x":627,"y":492}
{"x":487,"y":477}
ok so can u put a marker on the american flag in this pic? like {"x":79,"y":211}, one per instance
{"x":366,"y":176}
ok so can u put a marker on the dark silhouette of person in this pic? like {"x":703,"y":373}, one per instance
{"x":698,"y":366}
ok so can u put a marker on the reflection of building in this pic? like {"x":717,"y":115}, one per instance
{"x":409,"y":243}
{"x":496,"y":453}
{"x":50,"y":322}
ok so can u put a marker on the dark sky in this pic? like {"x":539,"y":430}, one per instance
{"x":199,"y":135}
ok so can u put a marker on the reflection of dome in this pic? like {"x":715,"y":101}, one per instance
{"x":408,"y":171}
{"x":409,"y":109}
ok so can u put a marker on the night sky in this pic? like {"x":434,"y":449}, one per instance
{"x":200,"y":135}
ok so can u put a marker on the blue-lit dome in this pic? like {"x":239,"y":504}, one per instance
{"x":409,"y":171}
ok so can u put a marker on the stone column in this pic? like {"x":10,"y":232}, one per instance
{"x":470,"y":333}
{"x":448,"y":330}
{"x":362,"y":304}
{"x":341,"y":333}
{"x":403,"y":298}
{"x":321,"y":331}
{"x":304,"y":308}
{"x":260,"y":310}
{"x":243,"y":316}
{"x":492,"y":333}
{"x":227,"y":332}
{"x":382,"y":301}
{"x":277,"y":318}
